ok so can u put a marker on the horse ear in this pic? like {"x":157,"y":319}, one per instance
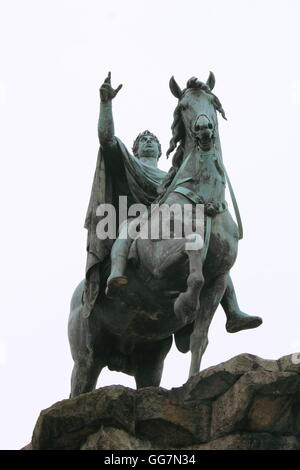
{"x":175,"y":89}
{"x":211,"y":81}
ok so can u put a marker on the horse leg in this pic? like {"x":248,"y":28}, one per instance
{"x":149,"y":362}
{"x":187,"y":302}
{"x":84,"y":376}
{"x":210,"y":299}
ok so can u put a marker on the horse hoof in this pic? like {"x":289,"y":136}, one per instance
{"x":243,"y":323}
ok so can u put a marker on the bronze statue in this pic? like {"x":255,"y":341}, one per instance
{"x":164,"y":289}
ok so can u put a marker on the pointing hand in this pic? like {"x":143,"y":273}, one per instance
{"x":107,"y":93}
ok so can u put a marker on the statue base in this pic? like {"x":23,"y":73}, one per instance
{"x":246,"y":403}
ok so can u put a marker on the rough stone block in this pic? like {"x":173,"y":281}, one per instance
{"x":251,"y":441}
{"x":67,"y":423}
{"x":109,"y":438}
{"x":290,"y":363}
{"x":216,"y":380}
{"x":163,"y":420}
{"x":242,"y":406}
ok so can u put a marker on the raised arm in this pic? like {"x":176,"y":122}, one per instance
{"x":106,"y":130}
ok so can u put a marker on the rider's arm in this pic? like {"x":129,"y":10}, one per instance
{"x":106,"y":132}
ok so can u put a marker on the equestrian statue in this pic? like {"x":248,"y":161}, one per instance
{"x":140,"y":291}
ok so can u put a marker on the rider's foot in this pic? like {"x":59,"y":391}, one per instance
{"x":113,"y":284}
{"x":242,"y":321}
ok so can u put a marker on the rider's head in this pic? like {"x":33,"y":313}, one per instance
{"x":146,"y":145}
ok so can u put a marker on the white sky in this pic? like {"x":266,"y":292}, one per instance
{"x":54,"y":56}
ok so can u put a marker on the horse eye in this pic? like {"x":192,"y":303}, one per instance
{"x":210,"y":126}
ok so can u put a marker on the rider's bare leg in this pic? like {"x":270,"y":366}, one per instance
{"x":119,"y":254}
{"x":236,"y":319}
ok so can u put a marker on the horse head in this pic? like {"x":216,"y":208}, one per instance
{"x":195,"y":118}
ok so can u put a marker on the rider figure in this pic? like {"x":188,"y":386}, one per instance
{"x":147,"y":151}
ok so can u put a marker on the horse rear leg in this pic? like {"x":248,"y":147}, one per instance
{"x":149,"y":363}
{"x":84,"y":376}
{"x":210,"y":298}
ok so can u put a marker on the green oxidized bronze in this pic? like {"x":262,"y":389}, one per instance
{"x":138,"y":293}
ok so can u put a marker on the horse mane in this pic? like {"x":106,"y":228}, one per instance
{"x":178,"y":136}
{"x":178,"y":132}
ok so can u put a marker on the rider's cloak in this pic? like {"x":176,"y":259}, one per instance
{"x":118,"y":173}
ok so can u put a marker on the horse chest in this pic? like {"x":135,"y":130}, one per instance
{"x":207,"y":179}
{"x":201,"y":175}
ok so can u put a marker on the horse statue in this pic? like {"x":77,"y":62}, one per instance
{"x":172,"y":290}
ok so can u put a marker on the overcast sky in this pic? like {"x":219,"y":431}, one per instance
{"x":54,"y":56}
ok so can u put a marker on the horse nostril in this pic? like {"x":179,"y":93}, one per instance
{"x":205,"y":137}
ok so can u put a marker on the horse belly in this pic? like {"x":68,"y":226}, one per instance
{"x":143,"y":309}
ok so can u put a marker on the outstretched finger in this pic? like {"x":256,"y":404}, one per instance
{"x":108,"y":78}
{"x":118,"y":89}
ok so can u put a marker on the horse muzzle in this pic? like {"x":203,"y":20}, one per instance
{"x":205,"y":140}
{"x":203,"y":132}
